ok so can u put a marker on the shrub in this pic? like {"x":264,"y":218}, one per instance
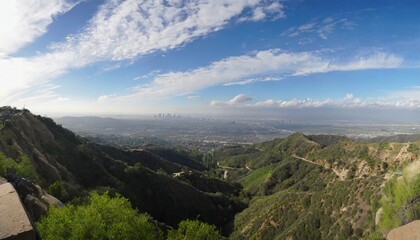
{"x":22,"y":166}
{"x":57,"y":190}
{"x":399,"y":205}
{"x":193,"y":229}
{"x":102,"y":217}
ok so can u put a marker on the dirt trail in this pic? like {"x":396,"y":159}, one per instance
{"x":339,"y":175}
{"x":226,"y":167}
{"x":247,"y":167}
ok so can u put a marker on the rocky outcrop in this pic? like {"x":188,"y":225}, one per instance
{"x":14,"y":222}
{"x":34,"y":198}
{"x":410,"y":231}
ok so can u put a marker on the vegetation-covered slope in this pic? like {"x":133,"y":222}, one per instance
{"x":316,"y":187}
{"x":300,"y":187}
{"x":72,"y":166}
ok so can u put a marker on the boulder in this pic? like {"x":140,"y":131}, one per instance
{"x":35,"y":199}
{"x":410,"y":231}
{"x":14,"y":222}
{"x":2,"y":180}
{"x":35,"y":207}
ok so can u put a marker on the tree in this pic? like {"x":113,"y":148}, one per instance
{"x":101,"y":217}
{"x":194,"y":229}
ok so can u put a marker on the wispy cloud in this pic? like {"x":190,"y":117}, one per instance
{"x":22,"y":21}
{"x":148,"y":75}
{"x":272,"y":9}
{"x":322,"y":28}
{"x":254,"y":80}
{"x":411,"y":94}
{"x":119,"y":31}
{"x":259,"y":66}
{"x":239,"y":99}
{"x":348,"y":101}
{"x":124,"y":30}
{"x":193,"y":97}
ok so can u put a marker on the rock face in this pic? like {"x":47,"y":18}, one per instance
{"x":409,"y":231}
{"x":36,"y":201}
{"x":14,"y":222}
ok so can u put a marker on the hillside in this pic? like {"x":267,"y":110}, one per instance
{"x":312,"y":187}
{"x":71,"y":166}
{"x":299,"y":187}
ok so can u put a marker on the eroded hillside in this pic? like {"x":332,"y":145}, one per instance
{"x":312,"y":187}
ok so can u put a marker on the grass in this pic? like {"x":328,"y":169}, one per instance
{"x":397,"y":209}
{"x":257,"y":177}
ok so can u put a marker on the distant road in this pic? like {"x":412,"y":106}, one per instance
{"x":247,"y":167}
{"x":334,"y":170}
{"x":226,"y":167}
{"x":259,"y":149}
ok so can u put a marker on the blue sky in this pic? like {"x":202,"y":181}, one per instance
{"x":143,"y":57}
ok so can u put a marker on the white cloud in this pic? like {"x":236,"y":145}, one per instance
{"x":348,"y":101}
{"x":148,"y":75}
{"x":126,"y":29}
{"x":241,"y":98}
{"x":193,"y":97}
{"x":238,"y":99}
{"x":22,"y":21}
{"x":275,"y":9}
{"x":119,"y":31}
{"x":349,"y":96}
{"x":294,"y":103}
{"x":253,"y":80}
{"x":246,"y":69}
{"x":408,"y":95}
{"x":105,"y":97}
{"x":63,"y":99}
{"x":321,"y":28}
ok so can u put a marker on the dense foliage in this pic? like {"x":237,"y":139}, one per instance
{"x":401,"y":203}
{"x":101,"y":217}
{"x":22,"y":166}
{"x":193,"y":229}
{"x":105,"y":217}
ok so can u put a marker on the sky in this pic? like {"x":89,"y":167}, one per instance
{"x":249,"y":57}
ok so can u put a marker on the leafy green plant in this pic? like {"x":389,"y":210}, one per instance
{"x":22,"y":166}
{"x":400,"y":204}
{"x":194,"y":229}
{"x":101,"y":217}
{"x":57,"y":190}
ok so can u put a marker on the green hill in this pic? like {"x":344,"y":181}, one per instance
{"x":312,"y":187}
{"x":62,"y":160}
{"x":299,"y":187}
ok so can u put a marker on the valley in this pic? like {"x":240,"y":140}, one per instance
{"x":297,"y":187}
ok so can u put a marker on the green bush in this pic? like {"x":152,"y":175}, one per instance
{"x":57,"y":190}
{"x":102,"y":217}
{"x":193,"y":229}
{"x":396,"y":205}
{"x":22,"y":166}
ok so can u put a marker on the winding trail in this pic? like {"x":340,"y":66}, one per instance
{"x":334,"y":170}
{"x":227,"y":167}
{"x":247,"y":167}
